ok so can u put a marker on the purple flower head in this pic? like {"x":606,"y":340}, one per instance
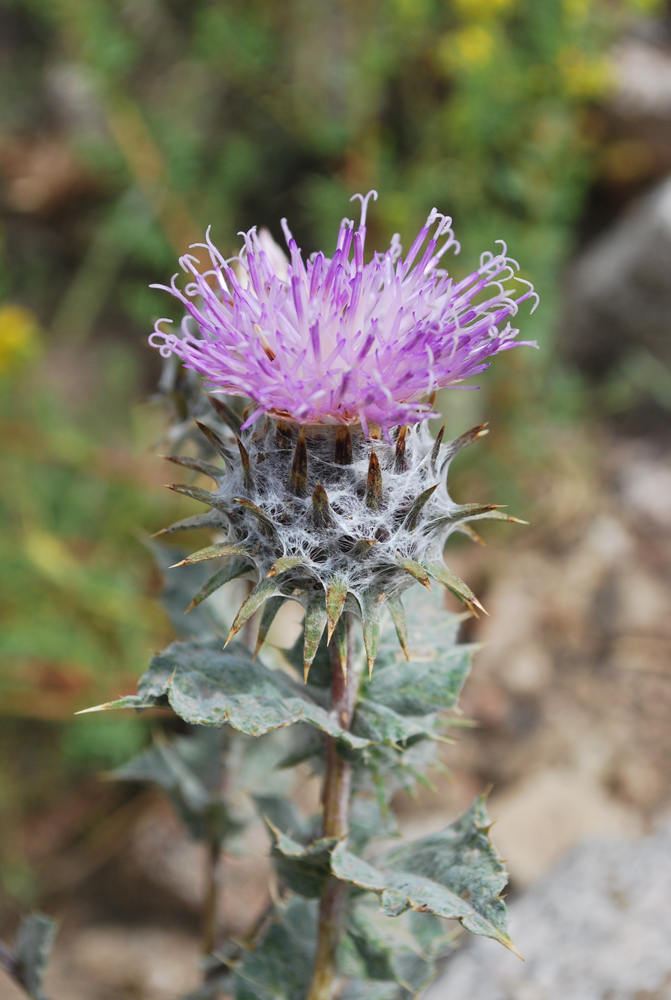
{"x":337,"y":340}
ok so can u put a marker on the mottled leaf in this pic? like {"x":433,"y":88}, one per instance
{"x":32,"y":947}
{"x":208,"y":686}
{"x":456,"y":874}
{"x":280,"y":965}
{"x":303,"y":868}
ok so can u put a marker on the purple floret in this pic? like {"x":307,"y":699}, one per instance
{"x":339,"y":341}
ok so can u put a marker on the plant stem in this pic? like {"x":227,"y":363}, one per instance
{"x":336,"y":802}
{"x":211,"y":905}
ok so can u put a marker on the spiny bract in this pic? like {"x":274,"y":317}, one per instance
{"x":328,"y":517}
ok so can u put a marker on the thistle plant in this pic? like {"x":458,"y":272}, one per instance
{"x":330,"y":491}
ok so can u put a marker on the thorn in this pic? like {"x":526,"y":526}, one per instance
{"x":246,"y":467}
{"x":373,"y":483}
{"x":413,"y":567}
{"x":227,"y":414}
{"x":196,"y":465}
{"x":417,"y":507}
{"x":321,"y":508}
{"x":299,"y":467}
{"x":400,"y":464}
{"x":343,"y":445}
{"x":436,"y":448}
{"x":215,"y":441}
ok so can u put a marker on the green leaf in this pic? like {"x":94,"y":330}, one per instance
{"x":303,"y":868}
{"x":314,"y":625}
{"x":391,"y":951}
{"x":456,"y":874}
{"x":208,"y":686}
{"x":370,"y":614}
{"x":32,"y":947}
{"x":181,"y":768}
{"x":270,"y":609}
{"x":439,"y":571}
{"x":262,"y":592}
{"x":233,"y":569}
{"x":280,"y":966}
{"x":216,"y":551}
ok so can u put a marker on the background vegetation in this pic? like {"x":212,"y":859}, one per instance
{"x":126,"y":128}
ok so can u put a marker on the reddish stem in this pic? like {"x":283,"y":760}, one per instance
{"x":336,"y":804}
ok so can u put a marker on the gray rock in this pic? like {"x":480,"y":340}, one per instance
{"x":598,"y":927}
{"x":618,"y":292}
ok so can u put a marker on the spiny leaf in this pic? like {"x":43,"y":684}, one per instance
{"x":321,"y":508}
{"x":248,"y":478}
{"x":454,"y":447}
{"x":373,"y":483}
{"x":188,"y":524}
{"x":413,"y":567}
{"x":304,"y":869}
{"x":203,"y":496}
{"x":315,"y":623}
{"x":266,"y":522}
{"x":400,"y":464}
{"x":400,"y":624}
{"x":227,"y":414}
{"x":280,"y":964}
{"x":284,"y":564}
{"x":370,"y":614}
{"x":197,"y":465}
{"x":456,"y":874}
{"x":418,"y":506}
{"x":340,"y":643}
{"x":215,"y":551}
{"x":231,"y":571}
{"x":259,"y":595}
{"x":343,"y":446}
{"x":497,"y":515}
{"x":208,"y":686}
{"x":270,"y":609}
{"x":440,"y":572}
{"x":299,"y":466}
{"x":216,"y":442}
{"x":466,"y":529}
{"x":336,"y":593}
{"x":435,"y":451}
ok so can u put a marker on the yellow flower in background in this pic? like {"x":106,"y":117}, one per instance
{"x":585,"y":76}
{"x":471,"y":47}
{"x":475,"y":10}
{"x":19,"y":338}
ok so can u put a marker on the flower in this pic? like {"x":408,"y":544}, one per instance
{"x":338,"y":340}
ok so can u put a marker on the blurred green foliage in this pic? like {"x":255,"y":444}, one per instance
{"x":127,"y":127}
